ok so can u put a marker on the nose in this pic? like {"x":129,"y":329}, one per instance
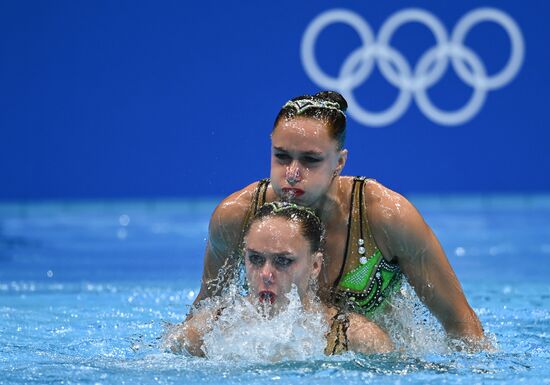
{"x":293,"y":173}
{"x":267,"y":274}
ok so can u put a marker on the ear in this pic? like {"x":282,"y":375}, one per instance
{"x":342,"y":158}
{"x":317,"y":264}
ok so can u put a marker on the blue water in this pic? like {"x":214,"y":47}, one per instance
{"x":87,"y":288}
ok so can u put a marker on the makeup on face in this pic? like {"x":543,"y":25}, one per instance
{"x":276,"y":256}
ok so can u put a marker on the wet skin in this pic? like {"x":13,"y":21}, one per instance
{"x":307,"y":161}
{"x":276,"y":257}
{"x":304,"y":158}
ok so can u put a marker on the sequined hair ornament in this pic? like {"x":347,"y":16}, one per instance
{"x":303,"y":105}
{"x":281,"y":206}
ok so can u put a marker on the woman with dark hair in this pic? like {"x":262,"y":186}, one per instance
{"x":374,"y":236}
{"x":283,"y":249}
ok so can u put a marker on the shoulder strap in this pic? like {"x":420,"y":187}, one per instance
{"x":361,"y":253}
{"x":356,"y":194}
{"x":258,"y":199}
{"x":261,"y":194}
{"x":337,"y":337}
{"x":365,"y":231}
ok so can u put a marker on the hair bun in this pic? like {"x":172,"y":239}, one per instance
{"x":333,"y":96}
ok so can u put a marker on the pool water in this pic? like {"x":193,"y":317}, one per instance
{"x":87,"y":289}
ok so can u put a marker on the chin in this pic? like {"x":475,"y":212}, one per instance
{"x":298,"y":200}
{"x":303,"y":201}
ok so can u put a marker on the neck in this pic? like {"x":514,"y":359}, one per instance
{"x":329,"y":202}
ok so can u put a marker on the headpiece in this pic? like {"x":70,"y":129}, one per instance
{"x":302,"y":105}
{"x":281,"y":206}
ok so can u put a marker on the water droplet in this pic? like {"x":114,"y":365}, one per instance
{"x":124,"y":220}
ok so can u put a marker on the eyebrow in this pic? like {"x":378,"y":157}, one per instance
{"x":304,"y":152}
{"x":283,"y":254}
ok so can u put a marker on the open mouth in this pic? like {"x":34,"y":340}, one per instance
{"x":292,"y":192}
{"x":267,"y":296}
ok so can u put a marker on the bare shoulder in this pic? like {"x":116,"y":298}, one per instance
{"x":363,"y":335}
{"x":234,"y":207}
{"x":227,"y":218}
{"x":359,"y":323}
{"x":366,"y":337}
{"x":390,"y":213}
{"x":385,"y":205}
{"x":231,"y":211}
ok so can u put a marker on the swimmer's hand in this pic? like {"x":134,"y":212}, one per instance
{"x":473,"y":345}
{"x":186,"y":339}
{"x":188,"y":336}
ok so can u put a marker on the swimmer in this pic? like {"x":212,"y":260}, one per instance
{"x":374,"y":236}
{"x":283,"y":249}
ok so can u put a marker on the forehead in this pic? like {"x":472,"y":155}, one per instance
{"x":302,"y":133}
{"x":277,"y":235}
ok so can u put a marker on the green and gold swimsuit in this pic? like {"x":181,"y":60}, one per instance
{"x":366,"y":279}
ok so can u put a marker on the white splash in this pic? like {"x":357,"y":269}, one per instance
{"x":245,"y":332}
{"x":411,"y":326}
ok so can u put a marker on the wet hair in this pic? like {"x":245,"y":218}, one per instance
{"x":327,"y":106}
{"x":311,"y":226}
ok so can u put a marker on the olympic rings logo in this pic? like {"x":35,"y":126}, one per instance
{"x":429,"y":69}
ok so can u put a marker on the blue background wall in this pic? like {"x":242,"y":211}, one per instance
{"x":152,"y":99}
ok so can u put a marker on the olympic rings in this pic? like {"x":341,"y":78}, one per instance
{"x":429,"y":69}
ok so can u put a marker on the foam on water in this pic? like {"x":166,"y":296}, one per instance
{"x":244,"y":333}
{"x":411,"y":326}
{"x":247,"y":332}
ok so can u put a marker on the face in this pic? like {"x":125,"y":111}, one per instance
{"x":304,"y":160}
{"x":277,"y":256}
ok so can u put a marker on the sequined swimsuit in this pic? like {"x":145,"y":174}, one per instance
{"x":366,"y":279}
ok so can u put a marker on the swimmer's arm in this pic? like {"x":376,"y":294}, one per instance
{"x":364,"y":336}
{"x":400,"y":229}
{"x":189,"y":335}
{"x":224,"y":233}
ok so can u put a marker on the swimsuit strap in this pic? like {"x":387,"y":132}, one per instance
{"x":357,"y":228}
{"x":235,"y":265}
{"x":365,"y":278}
{"x":258,"y":199}
{"x":337,"y":337}
{"x":349,"y":231}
